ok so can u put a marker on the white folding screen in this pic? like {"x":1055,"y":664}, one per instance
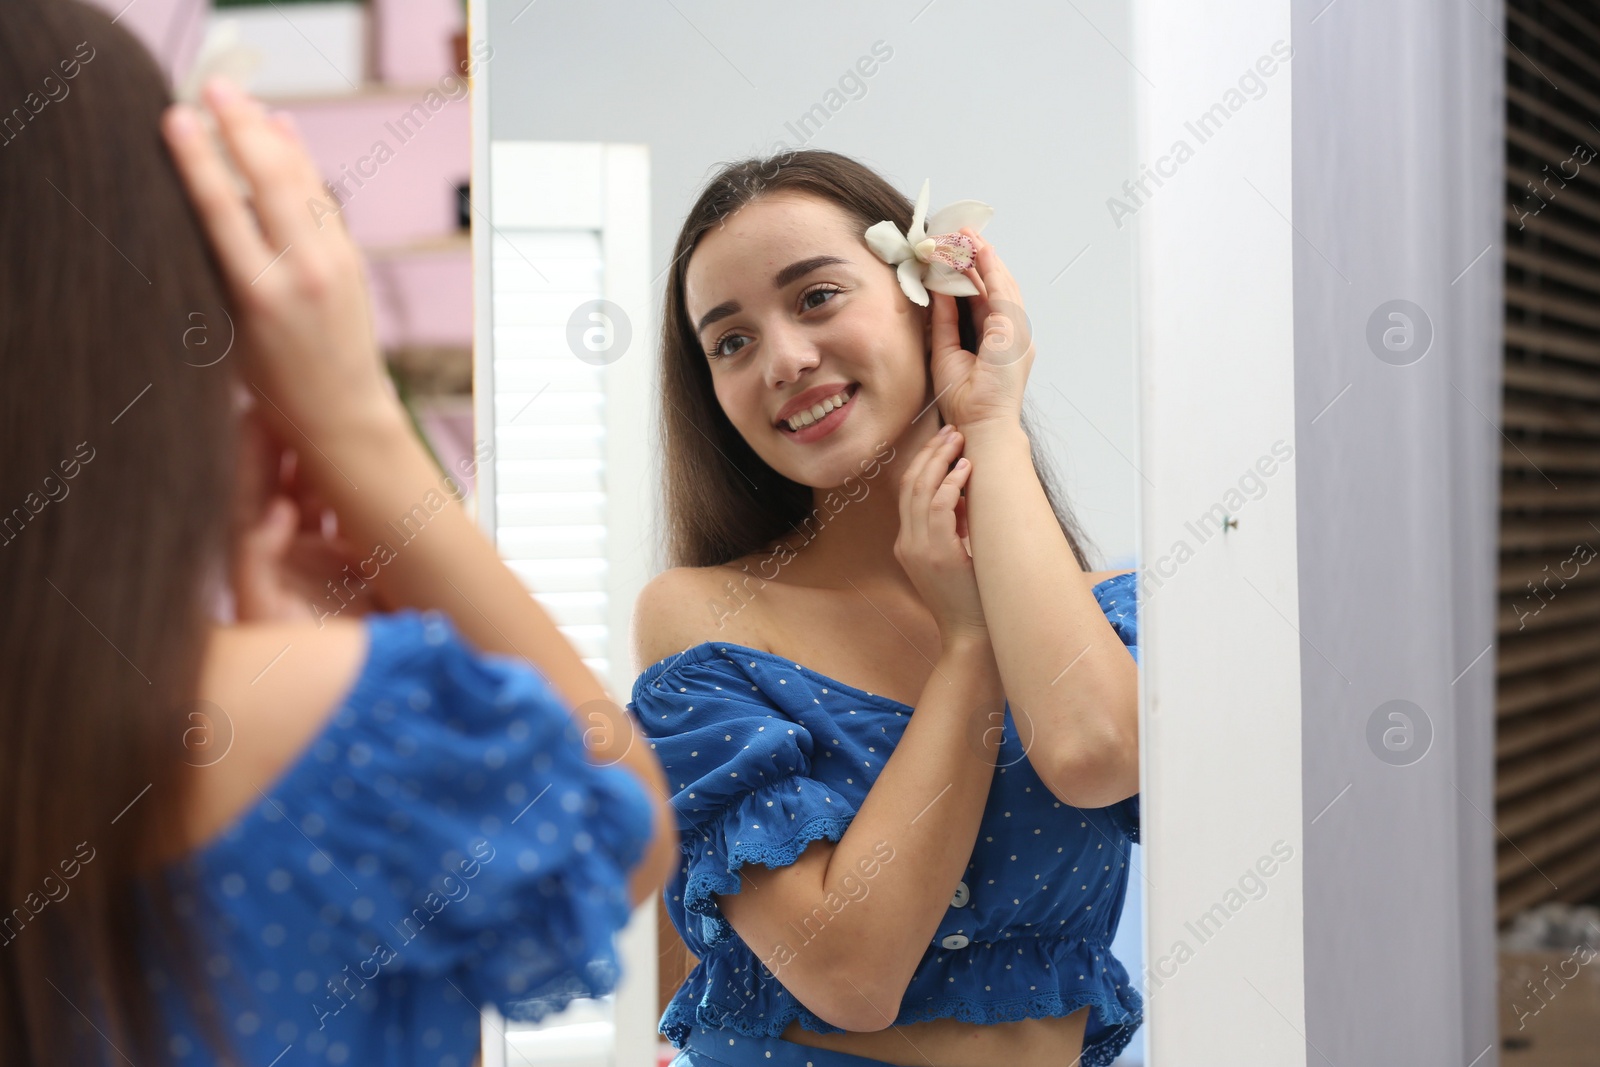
{"x":561,"y":393}
{"x":549,"y":430}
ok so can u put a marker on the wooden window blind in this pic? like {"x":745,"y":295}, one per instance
{"x":1547,"y":782}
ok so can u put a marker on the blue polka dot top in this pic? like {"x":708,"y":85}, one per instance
{"x":444,"y":843}
{"x":767,"y":756}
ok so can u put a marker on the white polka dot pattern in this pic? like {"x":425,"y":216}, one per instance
{"x":768,"y":756}
{"x":445,"y":843}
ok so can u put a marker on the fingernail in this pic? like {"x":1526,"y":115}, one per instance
{"x":182,"y":122}
{"x":963,"y":463}
{"x":226,"y":93}
{"x":285,"y":122}
{"x":223,"y":90}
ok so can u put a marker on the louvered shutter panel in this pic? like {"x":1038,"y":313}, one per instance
{"x":550,"y":492}
{"x":1547,"y":787}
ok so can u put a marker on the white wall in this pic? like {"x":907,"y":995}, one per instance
{"x":1026,"y":106}
{"x":1399,"y":152}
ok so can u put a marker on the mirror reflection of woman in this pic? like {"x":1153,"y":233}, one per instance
{"x":898,"y":710}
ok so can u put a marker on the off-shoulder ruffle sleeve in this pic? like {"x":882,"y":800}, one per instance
{"x":1119,"y":600}
{"x":740,"y":760}
{"x":447,"y":822}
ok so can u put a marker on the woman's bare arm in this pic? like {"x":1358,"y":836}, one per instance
{"x":311,"y":361}
{"x":1068,"y":676}
{"x":908,"y":845}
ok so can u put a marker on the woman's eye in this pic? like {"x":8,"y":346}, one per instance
{"x":720,"y":349}
{"x":807,"y":303}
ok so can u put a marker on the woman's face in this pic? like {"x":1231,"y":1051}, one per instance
{"x":792,"y":308}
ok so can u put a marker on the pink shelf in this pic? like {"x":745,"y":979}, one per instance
{"x":396,"y":151}
{"x":398,"y":162}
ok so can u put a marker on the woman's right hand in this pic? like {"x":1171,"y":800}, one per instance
{"x":929,"y":545}
{"x":293,"y":273}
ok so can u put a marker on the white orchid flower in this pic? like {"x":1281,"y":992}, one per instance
{"x":932,"y":255}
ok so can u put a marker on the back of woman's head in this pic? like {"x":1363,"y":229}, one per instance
{"x":722,"y":501}
{"x":116,"y":468}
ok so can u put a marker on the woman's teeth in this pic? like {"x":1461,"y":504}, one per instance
{"x":817,"y":411}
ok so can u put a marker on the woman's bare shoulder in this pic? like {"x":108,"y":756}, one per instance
{"x":266,"y":692}
{"x":685,"y":606}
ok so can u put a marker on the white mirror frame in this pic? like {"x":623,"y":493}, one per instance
{"x":603,"y":188}
{"x":1221,"y":689}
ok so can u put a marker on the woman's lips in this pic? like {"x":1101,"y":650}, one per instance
{"x":825,"y":425}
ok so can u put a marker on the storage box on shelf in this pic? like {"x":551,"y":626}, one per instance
{"x":306,"y":46}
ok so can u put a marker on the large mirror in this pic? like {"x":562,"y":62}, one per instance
{"x":598,"y":130}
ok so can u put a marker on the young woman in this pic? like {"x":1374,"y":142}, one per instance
{"x":294,"y":836}
{"x":906,"y":776}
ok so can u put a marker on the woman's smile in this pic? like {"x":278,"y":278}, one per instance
{"x":821,"y":418}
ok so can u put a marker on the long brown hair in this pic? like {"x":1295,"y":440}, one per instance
{"x":723,"y":501}
{"x":116,"y":482}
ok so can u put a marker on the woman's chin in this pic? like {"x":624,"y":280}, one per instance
{"x":848,"y":466}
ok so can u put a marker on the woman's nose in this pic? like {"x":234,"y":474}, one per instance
{"x":789,"y":355}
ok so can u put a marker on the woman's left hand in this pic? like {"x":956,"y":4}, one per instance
{"x":285,"y":557}
{"x":986,"y":386}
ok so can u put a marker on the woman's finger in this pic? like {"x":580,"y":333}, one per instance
{"x":1004,"y":334}
{"x":944,"y":326}
{"x":942,"y":525}
{"x":908,"y":478}
{"x":281,"y":175}
{"x":258,"y":561}
{"x":934,"y":470}
{"x":978,"y":305}
{"x":913,"y":473}
{"x":235,"y":237}
{"x":996,"y":278}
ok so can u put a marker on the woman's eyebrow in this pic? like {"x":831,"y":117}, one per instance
{"x":798,"y":269}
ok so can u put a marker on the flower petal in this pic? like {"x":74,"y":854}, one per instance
{"x":955,"y":250}
{"x":887,"y":242}
{"x":951,"y":217}
{"x":939,"y":278}
{"x":910,"y":273}
{"x":918,"y":231}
